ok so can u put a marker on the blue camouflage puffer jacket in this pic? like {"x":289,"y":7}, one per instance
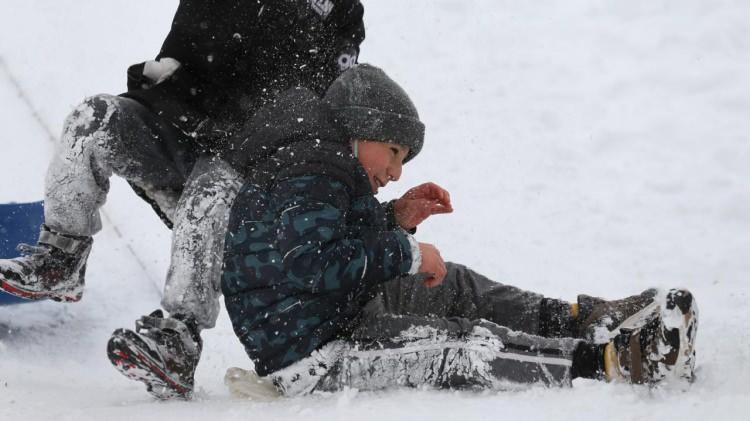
{"x":307,"y":246}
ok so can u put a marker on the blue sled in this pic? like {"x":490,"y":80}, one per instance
{"x":19,"y":223}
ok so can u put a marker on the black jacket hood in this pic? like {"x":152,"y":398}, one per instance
{"x":295,"y":135}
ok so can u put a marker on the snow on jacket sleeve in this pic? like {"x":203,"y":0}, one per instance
{"x":321,"y":252}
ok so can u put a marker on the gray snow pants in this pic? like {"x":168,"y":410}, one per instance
{"x":470,"y":332}
{"x":108,"y":135}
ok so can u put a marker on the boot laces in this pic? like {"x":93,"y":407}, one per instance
{"x":157,"y":326}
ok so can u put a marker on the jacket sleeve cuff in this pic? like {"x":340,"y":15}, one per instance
{"x":416,"y":255}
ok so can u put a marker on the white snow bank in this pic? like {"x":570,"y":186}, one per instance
{"x":589,"y":146}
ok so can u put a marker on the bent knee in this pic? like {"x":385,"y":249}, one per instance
{"x":95,"y":115}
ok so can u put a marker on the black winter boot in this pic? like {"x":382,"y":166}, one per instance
{"x":54,"y":268}
{"x":162,"y":353}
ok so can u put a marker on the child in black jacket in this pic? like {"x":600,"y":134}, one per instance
{"x":168,"y":136}
{"x":326,"y":288}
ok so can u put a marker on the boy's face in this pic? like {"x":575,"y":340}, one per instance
{"x":382,"y":161}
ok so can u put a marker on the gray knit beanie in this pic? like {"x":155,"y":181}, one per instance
{"x":368,"y":105}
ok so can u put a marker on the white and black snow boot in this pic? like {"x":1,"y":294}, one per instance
{"x":162,"y":352}
{"x":599,"y":319}
{"x":55,"y":268}
{"x":656,"y":343}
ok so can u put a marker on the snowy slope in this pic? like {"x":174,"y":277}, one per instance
{"x":589,"y":146}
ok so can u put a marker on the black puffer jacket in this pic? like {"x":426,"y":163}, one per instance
{"x":235,"y":55}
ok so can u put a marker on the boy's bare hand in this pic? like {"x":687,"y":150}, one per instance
{"x":432,"y":265}
{"x":421,"y":202}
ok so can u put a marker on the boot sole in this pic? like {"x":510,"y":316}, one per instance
{"x":132,"y":357}
{"x":680,"y":316}
{"x":27,"y":294}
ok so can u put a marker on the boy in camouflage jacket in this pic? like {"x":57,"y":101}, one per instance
{"x":326,"y":287}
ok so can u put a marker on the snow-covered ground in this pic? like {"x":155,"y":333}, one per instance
{"x":589,"y":146}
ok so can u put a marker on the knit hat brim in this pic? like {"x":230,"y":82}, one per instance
{"x":363,"y":123}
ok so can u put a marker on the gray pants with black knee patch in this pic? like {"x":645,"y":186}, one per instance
{"x":470,"y":332}
{"x":108,"y":135}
